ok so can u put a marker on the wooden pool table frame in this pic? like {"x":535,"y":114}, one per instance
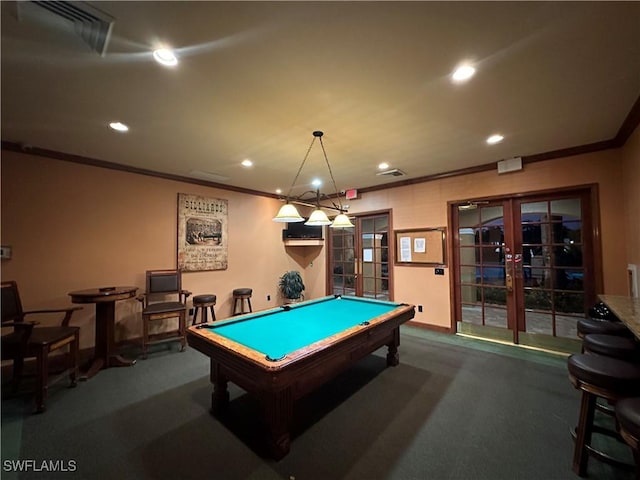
{"x":278,"y":384}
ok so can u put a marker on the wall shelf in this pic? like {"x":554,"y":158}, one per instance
{"x":303,"y":242}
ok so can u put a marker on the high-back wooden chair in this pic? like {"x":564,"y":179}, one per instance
{"x":164,"y":298}
{"x":26,"y":339}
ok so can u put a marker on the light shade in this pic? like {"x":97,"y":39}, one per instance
{"x":341,"y":221}
{"x":289,"y":214}
{"x":318,"y":218}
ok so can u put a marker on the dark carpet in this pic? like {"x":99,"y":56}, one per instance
{"x":455,"y":408}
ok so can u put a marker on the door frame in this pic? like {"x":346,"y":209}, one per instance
{"x":358,"y":247}
{"x":591,"y":190}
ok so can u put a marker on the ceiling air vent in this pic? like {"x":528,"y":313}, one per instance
{"x":78,"y":18}
{"x":395,"y":172}
{"x":210,"y":176}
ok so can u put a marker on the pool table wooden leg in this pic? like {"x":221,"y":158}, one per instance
{"x":220,"y":395}
{"x":278,"y":412}
{"x":393,"y":357}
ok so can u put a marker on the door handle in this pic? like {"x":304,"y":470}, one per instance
{"x":508,"y":263}
{"x":509,"y":283}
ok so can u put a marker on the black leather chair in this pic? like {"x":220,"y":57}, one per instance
{"x":27,"y":340}
{"x":164,"y":298}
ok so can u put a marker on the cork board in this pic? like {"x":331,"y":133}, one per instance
{"x":420,"y":246}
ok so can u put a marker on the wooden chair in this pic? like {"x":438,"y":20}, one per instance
{"x":158,"y":304}
{"x":27,"y":340}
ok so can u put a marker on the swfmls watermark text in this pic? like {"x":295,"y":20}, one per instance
{"x":47,"y":465}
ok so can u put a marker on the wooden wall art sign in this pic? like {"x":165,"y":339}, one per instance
{"x":202,"y":233}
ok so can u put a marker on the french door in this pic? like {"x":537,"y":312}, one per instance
{"x":359,"y":258}
{"x":525,"y":268}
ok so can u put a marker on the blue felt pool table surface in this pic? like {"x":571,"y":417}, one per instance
{"x":278,"y":332}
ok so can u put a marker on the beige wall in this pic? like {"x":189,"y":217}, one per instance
{"x":631,"y":177}
{"x":425,"y":205}
{"x":74,"y":227}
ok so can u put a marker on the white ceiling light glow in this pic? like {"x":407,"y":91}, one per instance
{"x":463,"y":73}
{"x":119,"y":127}
{"x":493,"y":139}
{"x":165,"y":57}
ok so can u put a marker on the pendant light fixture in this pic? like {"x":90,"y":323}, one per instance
{"x":289,"y":213}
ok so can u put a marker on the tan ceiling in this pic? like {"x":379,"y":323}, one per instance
{"x":255,"y":79}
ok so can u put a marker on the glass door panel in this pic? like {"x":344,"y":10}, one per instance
{"x":343,"y":277}
{"x":374,"y":255}
{"x":359,"y":259}
{"x":481,"y":256}
{"x":552,"y":254}
{"x":524,"y":269}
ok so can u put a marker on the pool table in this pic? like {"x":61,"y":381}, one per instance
{"x":281,"y":354}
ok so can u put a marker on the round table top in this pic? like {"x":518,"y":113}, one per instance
{"x":104,"y":294}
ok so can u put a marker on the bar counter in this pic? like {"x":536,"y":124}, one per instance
{"x":627,"y":309}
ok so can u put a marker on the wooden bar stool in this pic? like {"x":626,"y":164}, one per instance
{"x":607,"y":378}
{"x":240,"y":295}
{"x":628,"y":415}
{"x":202,"y":302}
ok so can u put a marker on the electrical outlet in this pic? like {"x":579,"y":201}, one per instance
{"x":419,"y":308}
{"x":439,"y":271}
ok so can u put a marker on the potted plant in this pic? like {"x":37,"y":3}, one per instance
{"x":291,"y":286}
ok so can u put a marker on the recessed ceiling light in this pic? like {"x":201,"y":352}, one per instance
{"x":247,"y":163}
{"x":278,"y":191}
{"x":165,"y":57}
{"x":463,"y":73}
{"x":119,"y":126}
{"x":316,"y":182}
{"x":493,"y":139}
{"x":383,"y":166}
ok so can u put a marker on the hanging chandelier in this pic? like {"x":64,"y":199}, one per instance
{"x":289,"y":213}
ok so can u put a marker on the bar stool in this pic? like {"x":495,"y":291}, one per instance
{"x":202,"y":302}
{"x":614,"y":346}
{"x":586,"y":326}
{"x":607,"y":378}
{"x":240,"y":295}
{"x":628,"y":415}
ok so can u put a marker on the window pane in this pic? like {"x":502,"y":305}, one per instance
{"x":469,"y":255}
{"x":534,"y":212}
{"x":495,"y":296}
{"x":382,"y":224}
{"x":567,"y":256}
{"x":491,"y":215}
{"x":569,"y":302}
{"x":569,"y":279}
{"x":368,"y":225}
{"x":468,"y":218}
{"x":568,"y":232}
{"x":566,"y":209}
{"x":535,"y":299}
{"x":531,"y":234}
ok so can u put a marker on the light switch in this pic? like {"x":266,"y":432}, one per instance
{"x":5,"y":251}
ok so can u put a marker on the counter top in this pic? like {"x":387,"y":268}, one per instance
{"x":627,"y":309}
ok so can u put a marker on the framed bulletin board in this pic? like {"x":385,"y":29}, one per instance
{"x":420,"y":246}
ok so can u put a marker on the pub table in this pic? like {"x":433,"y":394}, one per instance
{"x":105,"y":300}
